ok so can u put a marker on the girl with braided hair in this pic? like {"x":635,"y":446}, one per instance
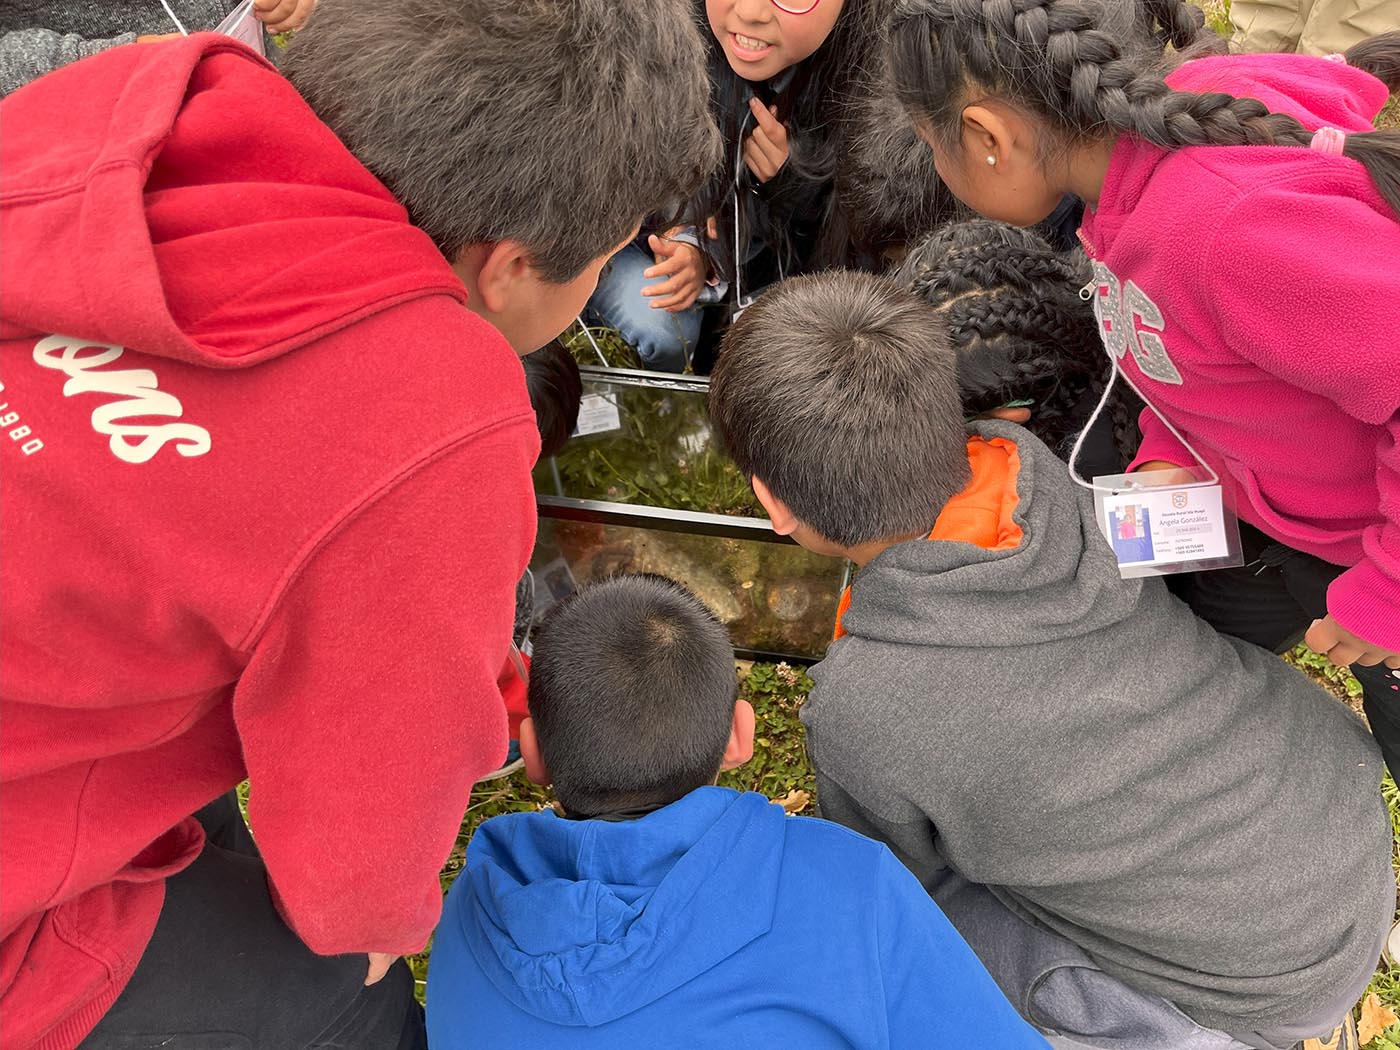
{"x":1243,"y":222}
{"x":1244,"y":225}
{"x":1022,"y":332}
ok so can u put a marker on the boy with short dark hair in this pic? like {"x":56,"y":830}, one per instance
{"x":266,"y":461}
{"x":1155,"y":836}
{"x":658,"y":910}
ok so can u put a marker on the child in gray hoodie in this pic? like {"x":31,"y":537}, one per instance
{"x":1157,"y":837}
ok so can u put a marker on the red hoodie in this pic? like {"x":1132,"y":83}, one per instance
{"x":1252,"y":294}
{"x":266,"y":500}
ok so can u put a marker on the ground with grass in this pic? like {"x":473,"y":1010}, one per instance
{"x":780,"y":770}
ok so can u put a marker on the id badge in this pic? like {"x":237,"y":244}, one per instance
{"x":1160,"y":522}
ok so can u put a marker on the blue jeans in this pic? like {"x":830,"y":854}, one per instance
{"x":663,"y":340}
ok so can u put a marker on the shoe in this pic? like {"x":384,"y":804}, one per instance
{"x":1343,"y":1037}
{"x":513,"y":762}
{"x":1391,"y":952}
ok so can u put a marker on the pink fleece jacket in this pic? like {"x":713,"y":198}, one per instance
{"x":1252,"y":294}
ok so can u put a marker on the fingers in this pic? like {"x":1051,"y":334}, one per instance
{"x":1393,"y":662}
{"x":674,"y":304}
{"x":282,"y":15}
{"x":766,"y":146}
{"x":767,"y":118}
{"x":668,"y":287}
{"x":1011,"y":415}
{"x":666,"y":265}
{"x":379,"y":963}
{"x":759,"y":162}
{"x":1326,"y":637}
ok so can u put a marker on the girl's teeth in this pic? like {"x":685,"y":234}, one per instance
{"x":750,"y":43}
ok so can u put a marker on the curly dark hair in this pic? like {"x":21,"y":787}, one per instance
{"x":1019,"y":327}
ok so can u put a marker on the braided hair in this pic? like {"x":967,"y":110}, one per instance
{"x":1087,"y":67}
{"x":1019,"y":327}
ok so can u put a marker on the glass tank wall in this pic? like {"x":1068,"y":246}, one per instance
{"x":642,"y":487}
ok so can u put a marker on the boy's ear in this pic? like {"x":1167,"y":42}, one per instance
{"x":740,"y":747}
{"x":492,"y":273}
{"x":783,"y":520}
{"x":535,"y":768}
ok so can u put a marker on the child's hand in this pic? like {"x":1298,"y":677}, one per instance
{"x":379,"y":963}
{"x":684,"y":266}
{"x":1343,"y":648}
{"x":1011,"y":415}
{"x":1180,"y":475}
{"x":281,"y":16}
{"x":766,"y":147}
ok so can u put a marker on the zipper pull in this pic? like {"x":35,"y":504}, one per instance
{"x":1087,"y":292}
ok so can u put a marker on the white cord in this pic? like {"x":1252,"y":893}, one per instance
{"x":1113,"y":374}
{"x":596,"y":348}
{"x":178,"y":24}
{"x":738,"y":177}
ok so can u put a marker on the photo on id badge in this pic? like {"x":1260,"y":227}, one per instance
{"x":1166,"y":526}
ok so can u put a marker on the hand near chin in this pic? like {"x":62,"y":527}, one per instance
{"x":766,"y":146}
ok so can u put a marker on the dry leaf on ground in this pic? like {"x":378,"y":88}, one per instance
{"x":794,"y":801}
{"x":1376,"y":1017}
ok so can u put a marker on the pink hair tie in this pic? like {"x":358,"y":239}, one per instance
{"x":1329,"y":140}
{"x":1336,"y":56}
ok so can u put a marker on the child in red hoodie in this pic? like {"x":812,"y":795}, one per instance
{"x":261,"y":429}
{"x":1246,"y":284}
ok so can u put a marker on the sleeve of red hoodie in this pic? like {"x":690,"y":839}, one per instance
{"x":1308,"y":289}
{"x":370,"y":705}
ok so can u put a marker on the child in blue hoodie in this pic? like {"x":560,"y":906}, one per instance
{"x":653,"y":909}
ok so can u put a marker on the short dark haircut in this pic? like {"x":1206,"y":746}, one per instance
{"x":556,"y":390}
{"x":632,"y":691}
{"x":839,"y":392}
{"x":555,"y":123}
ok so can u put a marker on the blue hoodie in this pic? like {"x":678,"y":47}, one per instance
{"x":714,"y":922}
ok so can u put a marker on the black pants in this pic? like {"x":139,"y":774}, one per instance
{"x":1270,"y":601}
{"x":224,"y":972}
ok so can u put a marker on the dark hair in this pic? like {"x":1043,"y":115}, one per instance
{"x":1020,"y":327}
{"x":811,"y":103}
{"x":632,"y":691}
{"x":1091,"y":67}
{"x":838,"y":391}
{"x":556,"y":389}
{"x":555,"y":123}
{"x":888,"y":193}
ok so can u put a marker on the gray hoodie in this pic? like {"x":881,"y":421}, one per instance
{"x":1194,"y":813}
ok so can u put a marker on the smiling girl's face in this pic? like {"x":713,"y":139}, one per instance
{"x":760,"y":40}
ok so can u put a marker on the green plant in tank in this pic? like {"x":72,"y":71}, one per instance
{"x":662,"y":454}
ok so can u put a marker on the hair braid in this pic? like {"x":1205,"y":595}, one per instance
{"x":1087,"y":67}
{"x":1018,"y":325}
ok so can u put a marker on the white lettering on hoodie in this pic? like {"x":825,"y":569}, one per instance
{"x":1116,"y":306}
{"x":138,"y":389}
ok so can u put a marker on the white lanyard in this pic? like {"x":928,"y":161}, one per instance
{"x":1085,"y":293}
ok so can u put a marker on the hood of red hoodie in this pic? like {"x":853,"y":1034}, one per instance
{"x":197,"y":209}
{"x":1318,"y":92}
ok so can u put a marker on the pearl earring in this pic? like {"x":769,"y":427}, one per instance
{"x":991,"y":160}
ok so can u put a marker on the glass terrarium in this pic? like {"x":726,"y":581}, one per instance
{"x":642,"y":487}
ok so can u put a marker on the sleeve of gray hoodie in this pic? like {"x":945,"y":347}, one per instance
{"x":910,"y":838}
{"x":26,"y":54}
